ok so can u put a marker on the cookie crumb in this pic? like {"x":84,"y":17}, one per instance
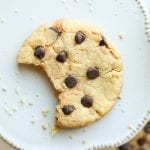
{"x":54,"y":130}
{"x":4,"y":89}
{"x":2,"y":20}
{"x":70,"y":137}
{"x":32,"y":18}
{"x":36,"y":95}
{"x":120,"y":96}
{"x":6,"y":109}
{"x":16,"y":11}
{"x":63,"y":1}
{"x":44,"y":126}
{"x":14,"y":109}
{"x":33,"y":115}
{"x":9,"y":113}
{"x":31,"y":102}
{"x":130,"y":126}
{"x":17,"y":73}
{"x":90,"y":3}
{"x":76,"y":1}
{"x":17,"y":90}
{"x":23,"y":101}
{"x":91,"y":9}
{"x":45,"y":112}
{"x":121,"y":35}
{"x":33,"y":120}
{"x":123,"y":110}
{"x":64,"y":85}
{"x":84,"y":141}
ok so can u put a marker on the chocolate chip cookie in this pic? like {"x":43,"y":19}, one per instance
{"x":140,"y":142}
{"x":82,"y":65}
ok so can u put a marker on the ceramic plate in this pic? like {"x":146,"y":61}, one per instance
{"x":25,"y":90}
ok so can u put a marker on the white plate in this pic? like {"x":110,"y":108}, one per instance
{"x":18,"y":20}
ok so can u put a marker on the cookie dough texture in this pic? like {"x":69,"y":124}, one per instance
{"x":92,"y":50}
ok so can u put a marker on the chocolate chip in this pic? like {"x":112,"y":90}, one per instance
{"x":126,"y":147}
{"x":87,"y":101}
{"x":68,"y":109}
{"x":39,"y":52}
{"x":79,"y":37}
{"x":55,"y":29}
{"x":61,"y":57}
{"x":141,"y":141}
{"x":70,"y":81}
{"x":103,"y":42}
{"x":92,"y":73}
{"x":147,"y":128}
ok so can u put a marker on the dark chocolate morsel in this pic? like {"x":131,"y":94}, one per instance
{"x":61,"y":57}
{"x":126,"y":147}
{"x":141,"y":141}
{"x":70,"y":81}
{"x":87,"y":101}
{"x":92,"y":73}
{"x":39,"y":52}
{"x":79,"y":37}
{"x":68,"y":109}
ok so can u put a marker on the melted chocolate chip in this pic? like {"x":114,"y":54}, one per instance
{"x":55,"y":29}
{"x":103,"y":42}
{"x":141,"y":141}
{"x":87,"y":101}
{"x":79,"y":37}
{"x":68,"y":109}
{"x":39,"y":52}
{"x":61,"y":57}
{"x":147,"y":128}
{"x":92,"y":73}
{"x":70,"y":81}
{"x":126,"y":147}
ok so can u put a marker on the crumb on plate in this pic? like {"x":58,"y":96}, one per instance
{"x":84,"y":141}
{"x":44,"y":126}
{"x":45,"y":111}
{"x":121,"y":35}
{"x":70,"y":137}
{"x":4,"y":88}
{"x":31,"y":102}
{"x":130,"y":126}
{"x":54,"y":130}
{"x":17,"y":90}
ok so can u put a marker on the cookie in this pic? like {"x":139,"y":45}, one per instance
{"x":82,"y":65}
{"x":140,"y":142}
